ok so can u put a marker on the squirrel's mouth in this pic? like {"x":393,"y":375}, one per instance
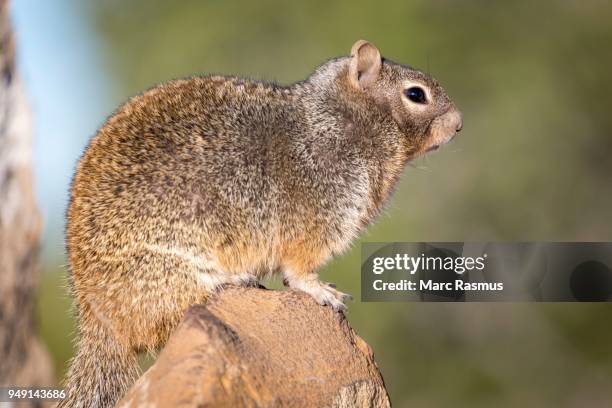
{"x":437,"y":141}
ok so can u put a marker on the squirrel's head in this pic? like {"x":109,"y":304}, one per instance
{"x":418,"y":105}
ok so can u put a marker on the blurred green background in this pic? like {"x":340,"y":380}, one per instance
{"x":532,"y":163}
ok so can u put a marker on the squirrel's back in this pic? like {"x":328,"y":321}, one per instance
{"x":197,"y":155}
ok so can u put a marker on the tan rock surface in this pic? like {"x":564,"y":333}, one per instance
{"x":261,"y":348}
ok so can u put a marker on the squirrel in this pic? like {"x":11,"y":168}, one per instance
{"x":215,"y":180}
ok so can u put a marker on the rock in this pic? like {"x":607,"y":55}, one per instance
{"x":252,"y":347}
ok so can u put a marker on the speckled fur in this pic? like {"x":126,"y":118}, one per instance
{"x":212,"y":180}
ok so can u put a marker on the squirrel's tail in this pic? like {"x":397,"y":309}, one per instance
{"x":102,"y":370}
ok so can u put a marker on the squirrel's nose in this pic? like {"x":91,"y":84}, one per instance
{"x":454,"y":119}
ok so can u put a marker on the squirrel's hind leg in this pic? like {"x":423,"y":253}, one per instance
{"x":212,"y":280}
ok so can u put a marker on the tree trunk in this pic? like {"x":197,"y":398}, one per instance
{"x":23,"y":360}
{"x":252,"y":347}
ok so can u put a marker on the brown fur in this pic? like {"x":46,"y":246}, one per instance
{"x":213,"y":180}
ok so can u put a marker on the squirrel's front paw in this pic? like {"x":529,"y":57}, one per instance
{"x":324,"y":293}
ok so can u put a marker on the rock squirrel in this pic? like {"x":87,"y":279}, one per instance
{"x":217,"y":180}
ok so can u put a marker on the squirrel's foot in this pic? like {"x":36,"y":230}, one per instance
{"x":324,"y":293}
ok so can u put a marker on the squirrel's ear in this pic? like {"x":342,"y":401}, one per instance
{"x":365,"y":64}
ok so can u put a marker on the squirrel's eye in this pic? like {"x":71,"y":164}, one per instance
{"x":416,"y":94}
